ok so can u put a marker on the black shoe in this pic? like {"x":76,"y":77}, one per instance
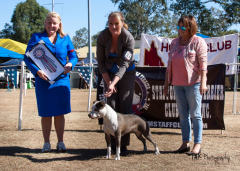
{"x":113,"y":150}
{"x":124,"y":151}
{"x":182,"y":151}
{"x":194,"y":154}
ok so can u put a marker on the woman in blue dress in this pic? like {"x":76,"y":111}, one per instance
{"x":53,"y":100}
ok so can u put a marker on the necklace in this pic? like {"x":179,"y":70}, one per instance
{"x":179,"y":49}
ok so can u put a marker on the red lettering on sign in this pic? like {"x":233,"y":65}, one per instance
{"x":212,"y":50}
{"x":222,"y":46}
{"x":164,"y":47}
{"x":227,"y":67}
{"x":228,"y":44}
{"x":152,"y":58}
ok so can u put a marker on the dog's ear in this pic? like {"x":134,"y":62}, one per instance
{"x":102,"y":102}
{"x":94,"y":101}
{"x":100,"y":105}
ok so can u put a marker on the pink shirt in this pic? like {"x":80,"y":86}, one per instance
{"x":179,"y":73}
{"x":194,"y":57}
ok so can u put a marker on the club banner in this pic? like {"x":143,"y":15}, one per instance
{"x":160,"y":111}
{"x":154,"y":51}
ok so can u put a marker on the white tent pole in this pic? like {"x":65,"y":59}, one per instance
{"x":234,"y":94}
{"x":52,"y":5}
{"x":90,"y":53}
{"x":21,"y":97}
{"x":25,"y":82}
{"x":90,"y":87}
{"x":235,"y":91}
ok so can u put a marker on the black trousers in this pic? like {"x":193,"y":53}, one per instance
{"x":122,"y":100}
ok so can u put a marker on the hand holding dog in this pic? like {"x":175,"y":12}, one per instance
{"x":111,"y":89}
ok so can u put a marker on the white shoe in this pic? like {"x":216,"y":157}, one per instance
{"x":46,"y":147}
{"x":61,"y":147}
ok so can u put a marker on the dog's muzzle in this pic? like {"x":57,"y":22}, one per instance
{"x":90,"y":115}
{"x":93,"y":115}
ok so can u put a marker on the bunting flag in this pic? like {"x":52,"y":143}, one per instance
{"x":12,"y":74}
{"x":85,"y":72}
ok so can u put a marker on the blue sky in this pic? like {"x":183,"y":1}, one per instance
{"x":74,"y":13}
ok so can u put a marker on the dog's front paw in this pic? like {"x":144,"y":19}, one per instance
{"x":157,"y":151}
{"x":108,"y":156}
{"x":117,"y":158}
{"x":145,"y":149}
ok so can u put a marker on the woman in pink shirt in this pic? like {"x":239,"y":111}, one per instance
{"x":186,"y":71}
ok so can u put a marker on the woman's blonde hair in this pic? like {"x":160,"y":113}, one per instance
{"x":55,"y":15}
{"x":189,"y":22}
{"x":120,"y":16}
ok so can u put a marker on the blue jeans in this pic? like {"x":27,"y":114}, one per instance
{"x":188,"y":100}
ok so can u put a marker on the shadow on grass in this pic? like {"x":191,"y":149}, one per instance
{"x":166,"y":133}
{"x":80,"y":154}
{"x":101,"y":131}
{"x":29,"y":130}
{"x":98,"y":131}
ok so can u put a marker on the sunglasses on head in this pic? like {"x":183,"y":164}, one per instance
{"x":182,"y":28}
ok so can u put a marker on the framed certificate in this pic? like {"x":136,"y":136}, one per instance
{"x":45,"y":60}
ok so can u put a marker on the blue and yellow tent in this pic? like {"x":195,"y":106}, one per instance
{"x":8,"y":54}
{"x":13,"y":45}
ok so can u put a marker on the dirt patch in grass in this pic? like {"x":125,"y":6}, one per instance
{"x":21,"y":150}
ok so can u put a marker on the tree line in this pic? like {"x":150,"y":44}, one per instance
{"x":154,"y":17}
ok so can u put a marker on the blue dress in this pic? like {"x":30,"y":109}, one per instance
{"x":53,"y":100}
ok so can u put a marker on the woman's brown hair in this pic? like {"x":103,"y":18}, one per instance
{"x":189,"y":22}
{"x":120,"y":16}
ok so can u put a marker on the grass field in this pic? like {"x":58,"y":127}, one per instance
{"x":21,"y":150}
